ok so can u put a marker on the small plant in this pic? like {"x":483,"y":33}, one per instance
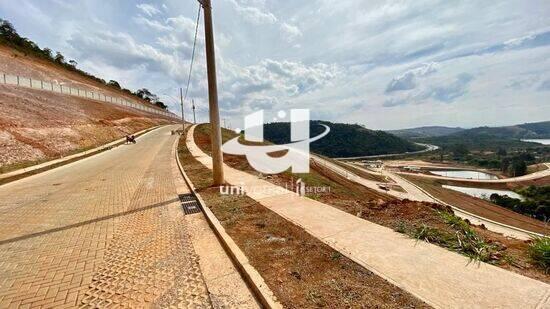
{"x":539,"y":251}
{"x":428,"y":234}
{"x":454,"y":221}
{"x":401,"y":227}
{"x":335,"y":255}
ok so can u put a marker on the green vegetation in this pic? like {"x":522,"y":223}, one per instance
{"x":344,"y":140}
{"x":539,"y":251}
{"x":459,"y":237}
{"x":492,"y":138}
{"x":10,"y":37}
{"x":536,"y":203}
{"x":424,"y":132}
{"x":510,"y":162}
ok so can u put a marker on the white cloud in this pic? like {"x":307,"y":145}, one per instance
{"x":253,"y":14}
{"x":290,"y":32}
{"x":407,"y":80}
{"x":273,"y":81}
{"x":152,"y":24}
{"x":148,"y":9}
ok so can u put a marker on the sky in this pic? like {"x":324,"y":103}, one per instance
{"x":381,"y":64}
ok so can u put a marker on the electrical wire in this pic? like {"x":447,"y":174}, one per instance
{"x":193,"y":53}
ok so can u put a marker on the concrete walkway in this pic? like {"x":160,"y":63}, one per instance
{"x":439,"y":277}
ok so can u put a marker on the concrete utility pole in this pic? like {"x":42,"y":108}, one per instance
{"x":194,"y":117}
{"x":182,"y":115}
{"x":216,"y":133}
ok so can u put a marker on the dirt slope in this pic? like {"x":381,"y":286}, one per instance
{"x":16,"y":63}
{"x":37,"y":126}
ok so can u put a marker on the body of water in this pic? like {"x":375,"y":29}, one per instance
{"x":483,"y":193}
{"x":540,"y":141}
{"x":465,"y":174}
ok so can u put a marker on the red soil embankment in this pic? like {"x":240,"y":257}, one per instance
{"x":38,"y":125}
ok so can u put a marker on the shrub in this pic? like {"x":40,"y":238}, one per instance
{"x":539,"y":251}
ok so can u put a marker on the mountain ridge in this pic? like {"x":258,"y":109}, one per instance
{"x":344,"y":140}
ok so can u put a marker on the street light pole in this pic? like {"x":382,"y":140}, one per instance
{"x":216,"y":133}
{"x":194,"y":117}
{"x":182,"y":114}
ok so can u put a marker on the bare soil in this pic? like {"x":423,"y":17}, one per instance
{"x":37,"y":126}
{"x":302,"y":271}
{"x":387,"y":211}
{"x":17,"y":63}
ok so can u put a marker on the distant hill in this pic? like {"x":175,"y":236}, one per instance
{"x":344,"y":140}
{"x":422,"y":132}
{"x":491,"y":138}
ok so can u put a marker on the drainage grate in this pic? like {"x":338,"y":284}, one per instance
{"x":190,"y":204}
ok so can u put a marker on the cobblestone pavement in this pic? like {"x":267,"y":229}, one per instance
{"x":105,"y":231}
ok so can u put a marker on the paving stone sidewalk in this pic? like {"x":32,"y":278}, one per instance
{"x":105,"y":231}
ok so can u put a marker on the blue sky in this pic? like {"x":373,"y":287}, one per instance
{"x":383,"y":64}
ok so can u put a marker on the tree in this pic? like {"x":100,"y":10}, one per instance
{"x":501,"y":152}
{"x":48,"y":53}
{"x":161,"y":104}
{"x":114,"y":83}
{"x":8,"y":31}
{"x":59,"y":58}
{"x":147,"y":95}
{"x":73,"y":63}
{"x":460,"y":150}
{"x":518,"y":167}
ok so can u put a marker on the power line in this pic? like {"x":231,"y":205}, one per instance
{"x":193,"y":53}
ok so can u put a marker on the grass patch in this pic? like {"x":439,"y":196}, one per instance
{"x":457,"y":235}
{"x":539,"y":251}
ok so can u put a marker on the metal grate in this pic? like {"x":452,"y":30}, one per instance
{"x":190,"y":204}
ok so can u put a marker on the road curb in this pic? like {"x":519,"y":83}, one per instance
{"x":251,"y":276}
{"x":44,"y":167}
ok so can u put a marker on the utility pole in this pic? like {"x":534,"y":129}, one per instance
{"x":182,"y":114}
{"x":216,"y":133}
{"x":194,"y":118}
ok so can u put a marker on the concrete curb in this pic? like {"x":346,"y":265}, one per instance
{"x":251,"y":276}
{"x":93,"y":151}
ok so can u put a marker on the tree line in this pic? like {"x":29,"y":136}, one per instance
{"x":535,"y":205}
{"x":10,"y":37}
{"x":513,"y":165}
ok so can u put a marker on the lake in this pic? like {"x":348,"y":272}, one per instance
{"x":483,"y":193}
{"x":540,"y":141}
{"x":465,"y":174}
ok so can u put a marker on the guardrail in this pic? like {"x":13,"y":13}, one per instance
{"x":57,"y":87}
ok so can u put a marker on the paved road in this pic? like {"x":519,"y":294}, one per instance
{"x":107,"y":229}
{"x":427,"y":149}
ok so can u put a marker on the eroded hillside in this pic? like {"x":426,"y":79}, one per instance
{"x":40,"y":125}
